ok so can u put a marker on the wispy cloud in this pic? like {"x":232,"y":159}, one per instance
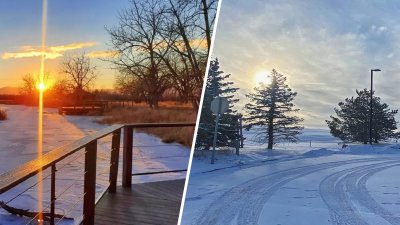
{"x":51,"y":52}
{"x":73,"y":46}
{"x":325,"y":48}
{"x":17,"y":55}
{"x":102,"y":54}
{"x":194,"y":43}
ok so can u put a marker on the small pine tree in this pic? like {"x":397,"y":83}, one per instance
{"x":353,"y":115}
{"x":217,"y":85}
{"x":271,"y":112}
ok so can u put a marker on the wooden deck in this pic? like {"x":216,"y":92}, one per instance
{"x":148,"y":203}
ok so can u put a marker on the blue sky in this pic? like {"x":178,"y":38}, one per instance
{"x":74,"y":23}
{"x":325,"y":48}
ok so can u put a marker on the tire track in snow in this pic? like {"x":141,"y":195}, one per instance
{"x":245,"y":201}
{"x":357,"y":188}
{"x":251,"y":213}
{"x":334,"y":189}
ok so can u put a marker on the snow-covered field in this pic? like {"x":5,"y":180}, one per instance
{"x":296,"y":184}
{"x":18,"y":144}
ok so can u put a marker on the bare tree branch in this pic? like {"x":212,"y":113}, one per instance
{"x":80,"y":73}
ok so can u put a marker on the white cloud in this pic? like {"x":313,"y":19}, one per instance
{"x":382,"y":29}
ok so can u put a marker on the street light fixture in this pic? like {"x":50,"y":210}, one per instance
{"x":370,"y":106}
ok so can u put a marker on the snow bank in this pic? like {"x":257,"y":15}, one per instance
{"x":360,"y":149}
{"x":320,"y":152}
{"x":373,"y":149}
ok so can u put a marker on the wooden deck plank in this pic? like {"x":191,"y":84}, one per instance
{"x":148,"y":203}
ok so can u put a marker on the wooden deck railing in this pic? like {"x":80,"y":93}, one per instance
{"x":19,"y":174}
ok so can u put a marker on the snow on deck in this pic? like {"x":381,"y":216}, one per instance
{"x":18,"y":141}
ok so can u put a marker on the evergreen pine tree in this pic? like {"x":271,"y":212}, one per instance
{"x":217,"y":85}
{"x":271,"y":112}
{"x":352,"y":120}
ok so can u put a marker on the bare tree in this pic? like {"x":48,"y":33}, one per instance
{"x":139,"y":45}
{"x":209,"y":11}
{"x":28,"y":86}
{"x":132,"y":87}
{"x":80,"y":74}
{"x":30,"y":83}
{"x":189,"y":24}
{"x":165,"y":44}
{"x":60,"y":90}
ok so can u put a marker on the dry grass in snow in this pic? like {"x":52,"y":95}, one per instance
{"x":182,"y":135}
{"x":3,"y":114}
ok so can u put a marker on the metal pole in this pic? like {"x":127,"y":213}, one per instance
{"x":216,"y":131}
{"x":237,"y":134}
{"x":370,"y":111}
{"x":241,"y":131}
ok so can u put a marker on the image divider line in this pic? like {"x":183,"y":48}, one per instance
{"x":199,"y":113}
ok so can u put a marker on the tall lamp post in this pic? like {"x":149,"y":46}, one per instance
{"x":370,"y":106}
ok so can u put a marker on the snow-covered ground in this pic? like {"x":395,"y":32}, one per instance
{"x":296,"y":184}
{"x":18,"y":144}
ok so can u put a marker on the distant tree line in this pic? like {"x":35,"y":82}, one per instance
{"x":162,"y":45}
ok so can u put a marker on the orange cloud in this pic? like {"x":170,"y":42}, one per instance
{"x":199,"y":43}
{"x":51,"y":52}
{"x":194,"y":43}
{"x":102,"y":54}
{"x":16,"y":55}
{"x":73,"y":46}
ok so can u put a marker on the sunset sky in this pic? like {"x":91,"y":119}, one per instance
{"x":73,"y":27}
{"x":325,"y":48}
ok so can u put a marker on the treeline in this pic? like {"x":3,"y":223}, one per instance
{"x":163,"y":45}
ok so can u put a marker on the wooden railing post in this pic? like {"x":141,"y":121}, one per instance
{"x":89,"y":183}
{"x":127,"y":157}
{"x":53,"y":194}
{"x":116,"y":139}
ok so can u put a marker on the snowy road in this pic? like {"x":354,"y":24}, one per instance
{"x":321,"y":189}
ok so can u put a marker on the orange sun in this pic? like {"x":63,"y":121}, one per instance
{"x":41,"y":86}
